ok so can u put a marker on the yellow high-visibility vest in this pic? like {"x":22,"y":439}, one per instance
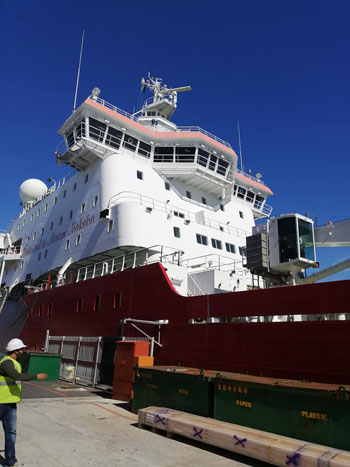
{"x":10,"y":389}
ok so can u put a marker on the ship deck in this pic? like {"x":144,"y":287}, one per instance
{"x":62,"y":424}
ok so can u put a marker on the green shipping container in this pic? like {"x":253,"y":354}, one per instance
{"x":315,"y":412}
{"x":186,"y":389}
{"x":42,"y":362}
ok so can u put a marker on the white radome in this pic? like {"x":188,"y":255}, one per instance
{"x":32,"y":189}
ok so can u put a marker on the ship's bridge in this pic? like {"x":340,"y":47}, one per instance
{"x":190,"y":154}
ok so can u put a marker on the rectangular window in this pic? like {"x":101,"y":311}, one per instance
{"x":114,"y":138}
{"x":144,"y":149}
{"x":45,"y":254}
{"x":222,"y":167}
{"x":39,"y":256}
{"x":74,"y":187}
{"x":79,"y":305}
{"x":188,"y":195}
{"x":51,"y":226}
{"x":46,"y":206}
{"x":130,"y":142}
{"x":49,"y":309}
{"x":78,"y":239}
{"x":110,"y":225}
{"x":230,"y":248}
{"x":86,"y":178}
{"x":250,"y":196}
{"x":179,"y":214}
{"x":97,"y":303}
{"x":34,"y":235}
{"x":55,"y":200}
{"x":241,"y":192}
{"x":95,"y":201}
{"x":82,"y":208}
{"x":64,"y":193}
{"x":139,"y":175}
{"x":38,"y":213}
{"x":241,"y":214}
{"x":216,"y":243}
{"x":241,"y":250}
{"x":66,"y":247}
{"x":163,"y":154}
{"x":202,"y":158}
{"x":185,"y":154}
{"x":212,"y":162}
{"x":70,"y":214}
{"x":96,"y":129}
{"x":204,"y":201}
{"x":61,"y":220}
{"x":222,"y":207}
{"x":42,"y":231}
{"x":202,"y":239}
{"x":167,"y":186}
{"x":176,"y":232}
{"x":117,"y":300}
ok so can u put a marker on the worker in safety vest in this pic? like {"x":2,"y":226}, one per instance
{"x":10,"y":393}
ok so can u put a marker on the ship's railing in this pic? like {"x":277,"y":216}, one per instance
{"x":261,"y":207}
{"x":142,"y":257}
{"x":179,"y":128}
{"x":171,"y":210}
{"x":212,"y":261}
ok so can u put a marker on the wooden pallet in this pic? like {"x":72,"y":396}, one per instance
{"x":268,"y":447}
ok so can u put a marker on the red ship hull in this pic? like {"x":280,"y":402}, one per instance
{"x":315,"y":350}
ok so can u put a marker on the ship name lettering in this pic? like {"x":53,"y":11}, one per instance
{"x":82,"y":223}
{"x":246,"y":404}
{"x":55,"y":237}
{"x":314,"y":415}
{"x":152,"y":386}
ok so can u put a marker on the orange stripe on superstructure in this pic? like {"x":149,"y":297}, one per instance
{"x":254,"y":183}
{"x":156,"y":134}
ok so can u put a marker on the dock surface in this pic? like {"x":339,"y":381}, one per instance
{"x":64,"y":425}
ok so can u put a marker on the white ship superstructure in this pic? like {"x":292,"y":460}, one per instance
{"x":144,"y":189}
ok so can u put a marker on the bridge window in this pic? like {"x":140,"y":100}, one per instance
{"x":163,"y":154}
{"x":258,"y":201}
{"x":212,"y":162}
{"x":202,"y":239}
{"x":114,"y":137}
{"x":130,"y":142}
{"x":70,"y":139}
{"x":222,"y":167}
{"x":230,"y":248}
{"x":241,"y":192}
{"x":250,"y":196}
{"x":216,"y":243}
{"x":117,"y":300}
{"x":185,"y":154}
{"x":202,"y":158}
{"x":97,"y":129}
{"x":80,"y":129}
{"x":177,"y":232}
{"x":144,"y":149}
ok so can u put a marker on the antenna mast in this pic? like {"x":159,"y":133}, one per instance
{"x":240,"y":147}
{"x":77,"y":85}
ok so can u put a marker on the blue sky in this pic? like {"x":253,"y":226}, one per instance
{"x":279,"y":67}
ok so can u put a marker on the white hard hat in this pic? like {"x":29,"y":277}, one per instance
{"x":15,"y":344}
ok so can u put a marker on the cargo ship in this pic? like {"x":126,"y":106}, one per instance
{"x":157,"y":234}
